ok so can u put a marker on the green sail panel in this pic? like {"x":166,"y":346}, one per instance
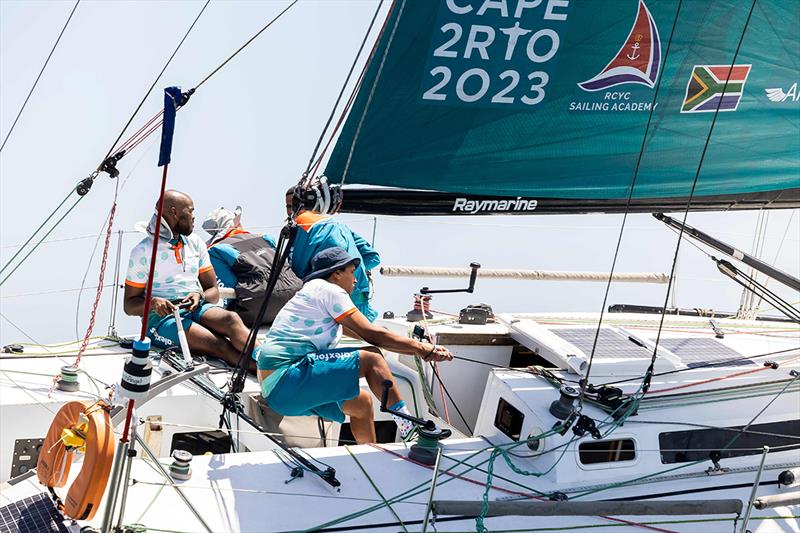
{"x":551,"y":99}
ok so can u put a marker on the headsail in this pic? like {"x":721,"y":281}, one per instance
{"x":487,"y":98}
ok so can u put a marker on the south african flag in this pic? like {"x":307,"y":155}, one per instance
{"x":706,"y":88}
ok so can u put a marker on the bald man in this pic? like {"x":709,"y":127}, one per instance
{"x":183,"y":278}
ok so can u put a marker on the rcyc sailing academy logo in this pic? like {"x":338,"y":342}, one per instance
{"x":780,"y":95}
{"x":706,"y":90}
{"x":638,"y":62}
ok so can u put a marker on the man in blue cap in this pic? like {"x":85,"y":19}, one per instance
{"x":301,"y":373}
{"x":316,"y":233}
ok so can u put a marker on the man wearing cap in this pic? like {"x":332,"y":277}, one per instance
{"x":243,"y":261}
{"x":317,"y":232}
{"x":301,"y":373}
{"x":183,"y":276}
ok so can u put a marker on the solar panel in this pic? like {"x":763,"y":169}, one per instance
{"x":699,"y":351}
{"x":35,"y":514}
{"x":610,"y":344}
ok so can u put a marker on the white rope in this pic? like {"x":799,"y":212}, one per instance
{"x":56,"y":291}
{"x":260,"y":491}
{"x":539,"y":275}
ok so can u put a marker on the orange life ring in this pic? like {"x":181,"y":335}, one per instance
{"x":85,"y":426}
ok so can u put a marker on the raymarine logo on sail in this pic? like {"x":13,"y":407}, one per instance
{"x":779,"y":94}
{"x":472,"y":207}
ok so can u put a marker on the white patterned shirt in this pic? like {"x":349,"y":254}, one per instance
{"x":178,"y":264}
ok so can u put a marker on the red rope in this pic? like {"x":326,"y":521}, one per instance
{"x":712,"y":380}
{"x":441,"y":390}
{"x":144,"y":136}
{"x":125,"y":146}
{"x":93,"y":316}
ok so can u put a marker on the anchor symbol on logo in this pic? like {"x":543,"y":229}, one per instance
{"x":634,"y":55}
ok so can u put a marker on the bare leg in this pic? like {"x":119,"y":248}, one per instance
{"x":375,"y":369}
{"x":227,"y":324}
{"x":205,"y":342}
{"x":359,"y":409}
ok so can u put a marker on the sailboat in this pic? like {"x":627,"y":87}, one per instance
{"x":650,"y":418}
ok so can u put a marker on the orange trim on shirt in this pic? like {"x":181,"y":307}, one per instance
{"x":306,"y":219}
{"x":206,"y":269}
{"x":231,"y":232}
{"x":134,"y":284}
{"x":177,"y":248}
{"x":345,"y":314}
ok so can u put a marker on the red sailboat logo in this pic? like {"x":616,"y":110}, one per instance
{"x":639,"y":59}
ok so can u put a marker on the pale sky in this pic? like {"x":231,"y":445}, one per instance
{"x":242,"y":140}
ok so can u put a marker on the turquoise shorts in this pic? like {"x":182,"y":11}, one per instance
{"x":163,"y":330}
{"x":318,"y":384}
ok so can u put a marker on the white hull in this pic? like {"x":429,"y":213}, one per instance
{"x":248,"y":491}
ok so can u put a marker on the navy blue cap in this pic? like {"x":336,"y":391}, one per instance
{"x":329,"y":261}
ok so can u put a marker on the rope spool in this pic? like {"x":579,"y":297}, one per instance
{"x":421,"y":310}
{"x":137,"y":371}
{"x":426,"y":448}
{"x":181,"y":469}
{"x":68,"y":379}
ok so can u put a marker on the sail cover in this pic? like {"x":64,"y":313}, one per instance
{"x":527,"y":106}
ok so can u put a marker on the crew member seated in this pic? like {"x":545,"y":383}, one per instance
{"x":316,"y":233}
{"x":243,"y":261}
{"x":300,"y":371}
{"x":183,"y":276}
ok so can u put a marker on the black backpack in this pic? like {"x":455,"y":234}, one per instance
{"x":252,"y":269}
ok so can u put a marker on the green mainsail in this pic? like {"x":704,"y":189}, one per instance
{"x":564,"y":100}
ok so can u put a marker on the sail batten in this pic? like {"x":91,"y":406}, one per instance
{"x":551,"y":102}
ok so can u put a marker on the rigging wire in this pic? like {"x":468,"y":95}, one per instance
{"x":649,"y":372}
{"x":46,"y":61}
{"x":94,"y":174}
{"x":86,"y":275}
{"x":117,"y":189}
{"x":26,"y":256}
{"x":99,"y":293}
{"x":752,"y":286}
{"x":344,"y":86}
{"x":245,"y":45}
{"x":372,"y":89}
{"x":23,"y":245}
{"x":631,"y":188}
{"x":757,"y":306}
{"x":155,"y":81}
{"x":441,"y":385}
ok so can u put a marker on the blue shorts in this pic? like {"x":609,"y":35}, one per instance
{"x":318,"y":384}
{"x":163,"y":330}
